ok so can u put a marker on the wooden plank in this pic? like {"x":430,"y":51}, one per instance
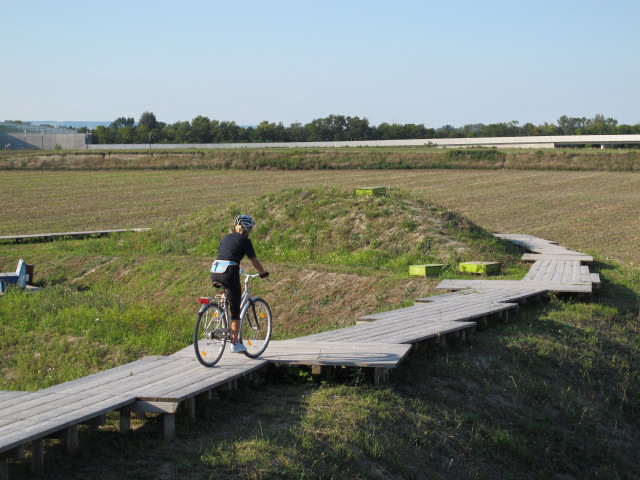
{"x":198,"y":378}
{"x":549,"y":271}
{"x":496,"y":295}
{"x":11,"y":395}
{"x":533,"y":271}
{"x":532,"y":257}
{"x":576,"y":275}
{"x":34,"y":236}
{"x":556,"y":276}
{"x":386,"y":330}
{"x":57,"y":413}
{"x":569,"y":269}
{"x":118,"y":380}
{"x":425,"y":334}
{"x":578,"y":287}
{"x":98,"y":378}
{"x":346,"y":354}
{"x":462,"y":312}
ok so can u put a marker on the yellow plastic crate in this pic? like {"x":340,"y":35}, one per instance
{"x":426,"y":270}
{"x":483,"y":268}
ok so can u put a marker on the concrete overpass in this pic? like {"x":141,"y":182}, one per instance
{"x":601,"y":141}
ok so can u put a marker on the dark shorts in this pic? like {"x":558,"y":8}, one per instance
{"x":231,"y":281}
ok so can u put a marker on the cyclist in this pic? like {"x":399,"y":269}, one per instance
{"x":226,"y":270}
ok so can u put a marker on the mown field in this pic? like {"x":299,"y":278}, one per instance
{"x":553,"y":393}
{"x":584,"y":210}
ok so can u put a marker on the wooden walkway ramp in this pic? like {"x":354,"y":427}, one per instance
{"x":51,"y":236}
{"x":379,"y":342}
{"x":555,"y":269}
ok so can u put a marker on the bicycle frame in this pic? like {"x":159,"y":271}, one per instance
{"x":212,"y":331}
{"x":222,"y":303}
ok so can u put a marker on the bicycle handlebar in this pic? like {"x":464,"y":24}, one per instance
{"x":251,"y":275}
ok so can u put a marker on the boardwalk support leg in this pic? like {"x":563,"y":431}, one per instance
{"x":191,"y":404}
{"x":37,"y":456}
{"x":380,"y":376}
{"x":96,"y":422}
{"x":16,"y":454}
{"x":71,"y":434}
{"x":167,"y":408}
{"x":125,"y":420}
{"x":169,"y":426}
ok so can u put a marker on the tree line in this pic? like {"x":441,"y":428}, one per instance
{"x":334,"y":128}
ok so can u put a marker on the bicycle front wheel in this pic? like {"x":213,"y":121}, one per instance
{"x":210,"y":335}
{"x":255,"y":331}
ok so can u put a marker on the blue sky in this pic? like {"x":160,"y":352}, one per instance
{"x":425,"y":62}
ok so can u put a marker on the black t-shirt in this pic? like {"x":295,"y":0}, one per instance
{"x":234,"y":247}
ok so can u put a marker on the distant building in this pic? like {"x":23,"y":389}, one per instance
{"x":21,"y":136}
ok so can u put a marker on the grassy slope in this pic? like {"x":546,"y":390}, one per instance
{"x":583,"y":210}
{"x":553,"y":393}
{"x":329,"y":158}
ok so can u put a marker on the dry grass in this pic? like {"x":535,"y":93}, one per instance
{"x":587,"y":211}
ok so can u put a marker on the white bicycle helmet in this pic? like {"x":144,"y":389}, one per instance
{"x":246,"y":221}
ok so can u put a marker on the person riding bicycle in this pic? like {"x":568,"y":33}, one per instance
{"x":226,"y":270}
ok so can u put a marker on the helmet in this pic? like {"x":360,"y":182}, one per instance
{"x":245,"y":220}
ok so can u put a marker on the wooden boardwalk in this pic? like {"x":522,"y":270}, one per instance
{"x":379,"y":342}
{"x":51,"y":236}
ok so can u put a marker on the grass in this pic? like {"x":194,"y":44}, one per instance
{"x":577,"y":209}
{"x":552,"y":393}
{"x":347,"y":158}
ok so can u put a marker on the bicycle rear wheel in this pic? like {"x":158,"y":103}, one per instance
{"x":255,"y":332}
{"x":210,"y":335}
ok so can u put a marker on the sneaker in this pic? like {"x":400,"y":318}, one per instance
{"x":238,"y":348}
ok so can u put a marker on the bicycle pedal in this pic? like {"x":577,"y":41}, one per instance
{"x":221,"y":332}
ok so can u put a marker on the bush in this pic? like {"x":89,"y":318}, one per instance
{"x":476,"y":154}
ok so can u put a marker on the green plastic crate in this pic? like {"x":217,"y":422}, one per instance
{"x":426,"y":270}
{"x":376,"y":191}
{"x":484,"y":268}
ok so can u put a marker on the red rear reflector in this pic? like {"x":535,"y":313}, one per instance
{"x":204,"y":300}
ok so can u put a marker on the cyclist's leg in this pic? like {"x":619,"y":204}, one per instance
{"x":234,"y":295}
{"x":231,"y":281}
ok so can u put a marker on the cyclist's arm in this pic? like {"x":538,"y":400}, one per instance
{"x":257,"y":265}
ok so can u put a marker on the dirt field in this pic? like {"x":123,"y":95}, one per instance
{"x":588,"y":211}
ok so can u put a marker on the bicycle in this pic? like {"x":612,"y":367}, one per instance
{"x":212,"y":331}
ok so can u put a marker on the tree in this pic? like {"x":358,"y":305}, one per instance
{"x":148,"y":119}
{"x":357,"y":129}
{"x":297,"y":132}
{"x":270,"y":132}
{"x":122,"y":122}
{"x":571,"y":125}
{"x":599,"y":125}
{"x":201,"y":130}
{"x":102,"y":135}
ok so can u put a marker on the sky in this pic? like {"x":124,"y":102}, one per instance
{"x":404,"y":61}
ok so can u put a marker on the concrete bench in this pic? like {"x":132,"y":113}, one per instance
{"x":19,"y":277}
